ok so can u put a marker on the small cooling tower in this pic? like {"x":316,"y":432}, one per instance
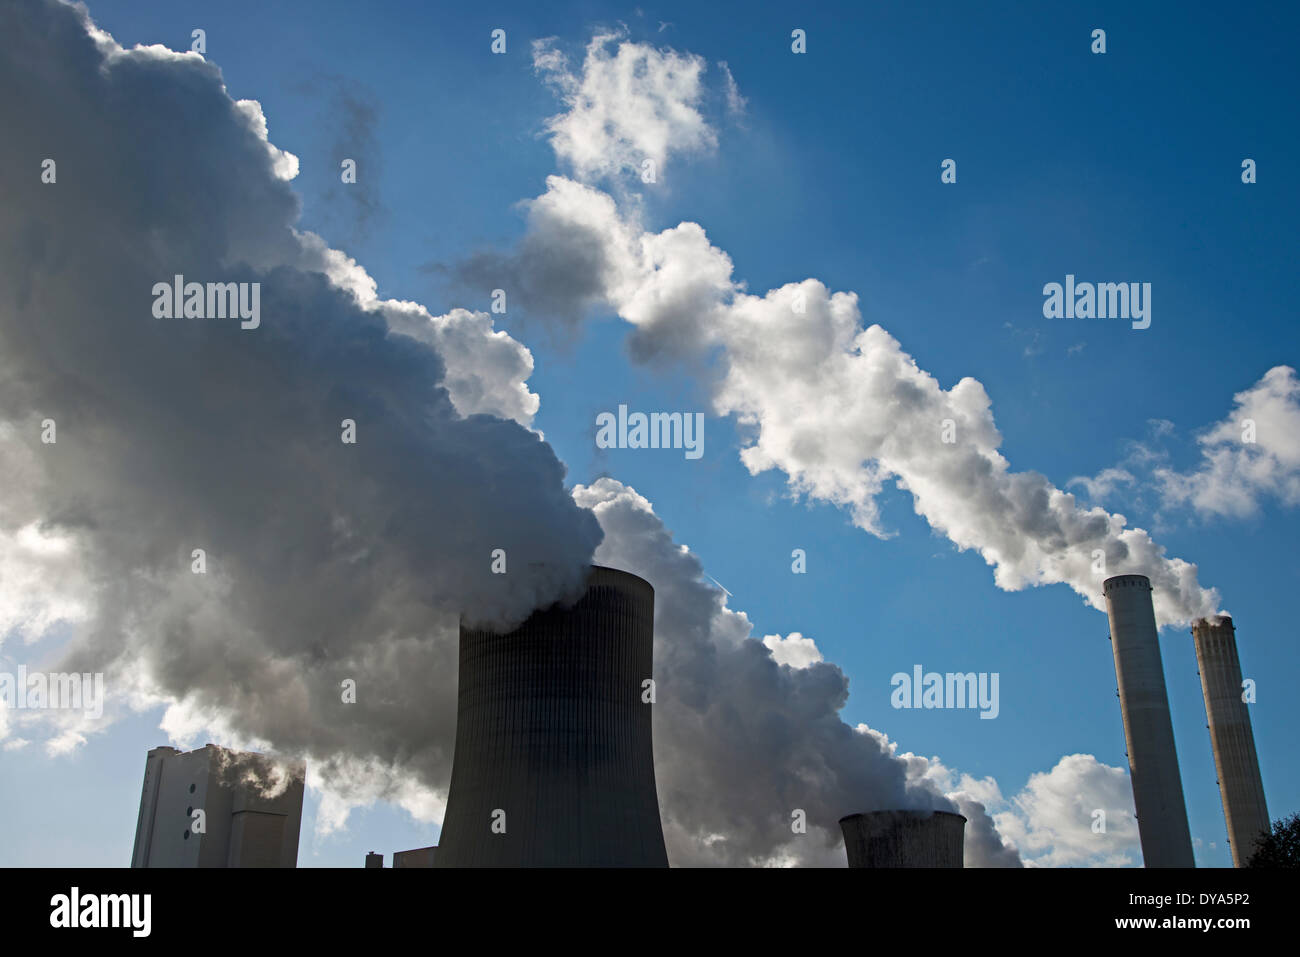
{"x":1231,"y":736}
{"x":553,"y":764}
{"x":904,"y":839}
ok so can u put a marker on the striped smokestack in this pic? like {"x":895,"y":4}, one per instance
{"x":1148,"y":730}
{"x":1231,"y":736}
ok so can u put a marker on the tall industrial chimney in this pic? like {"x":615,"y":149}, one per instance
{"x":904,"y":839}
{"x":1231,"y":736}
{"x":1152,"y":760}
{"x":553,"y":763}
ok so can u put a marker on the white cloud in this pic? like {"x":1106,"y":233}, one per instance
{"x":842,"y":409}
{"x":1048,"y":823}
{"x":1249,"y":457}
{"x":1104,"y":484}
{"x":984,"y":846}
{"x":347,"y":784}
{"x":735,"y":102}
{"x":742,"y":742}
{"x":1052,"y":819}
{"x":633,"y":104}
{"x":839,"y":408}
{"x":325,"y":560}
{"x":486,"y":370}
{"x":284,"y":164}
{"x":793,"y":650}
{"x":43,"y":581}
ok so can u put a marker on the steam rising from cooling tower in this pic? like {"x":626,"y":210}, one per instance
{"x":323,"y":560}
{"x":1153,"y":762}
{"x":553,"y":763}
{"x":1231,"y":736}
{"x":904,"y":839}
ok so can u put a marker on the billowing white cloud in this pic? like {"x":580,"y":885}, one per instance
{"x":347,"y":784}
{"x":843,"y":409}
{"x":633,"y":104}
{"x":486,"y":370}
{"x":325,"y":561}
{"x":838,"y":406}
{"x":793,"y":650}
{"x":1078,"y":814}
{"x":984,"y":846}
{"x":747,"y":733}
{"x":1251,"y":456}
{"x":1247,"y":459}
{"x":321,"y":572}
{"x":1057,"y":820}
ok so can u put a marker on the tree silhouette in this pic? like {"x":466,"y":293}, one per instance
{"x":1281,"y":847}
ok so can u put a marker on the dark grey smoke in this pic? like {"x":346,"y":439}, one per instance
{"x":741,"y":742}
{"x":557,"y":273}
{"x":325,"y":561}
{"x":350,"y":113}
{"x":984,"y":845}
{"x":541,"y":280}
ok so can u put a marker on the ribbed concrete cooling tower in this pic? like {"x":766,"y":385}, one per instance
{"x":904,"y":839}
{"x":553,"y":764}
{"x":1152,"y":760}
{"x":1231,"y":737}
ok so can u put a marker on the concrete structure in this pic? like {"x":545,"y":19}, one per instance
{"x":553,"y":763}
{"x":374,"y":859}
{"x":419,"y":857}
{"x":904,"y":839}
{"x":1231,"y":736}
{"x":1148,"y":729}
{"x":243,"y":825}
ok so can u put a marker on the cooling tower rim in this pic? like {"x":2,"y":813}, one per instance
{"x":595,"y":570}
{"x":1123,"y":581}
{"x":599,"y":571}
{"x":913,"y":813}
{"x":628,"y":583}
{"x":1212,"y":622}
{"x":620,"y":579}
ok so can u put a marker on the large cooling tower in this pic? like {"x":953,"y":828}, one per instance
{"x":1152,"y":760}
{"x":553,"y":763}
{"x":1231,"y":736}
{"x":904,"y":839}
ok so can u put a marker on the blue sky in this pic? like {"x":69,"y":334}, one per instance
{"x":1122,"y":166}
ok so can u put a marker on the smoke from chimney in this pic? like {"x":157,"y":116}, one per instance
{"x":259,"y":514}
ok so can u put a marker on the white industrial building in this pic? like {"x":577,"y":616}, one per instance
{"x":251,"y":810}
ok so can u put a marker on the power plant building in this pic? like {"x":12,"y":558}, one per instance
{"x":1148,"y":728}
{"x":553,"y":763}
{"x":242,"y":824}
{"x":1231,"y":736}
{"x":418,"y":857}
{"x":904,"y":839}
